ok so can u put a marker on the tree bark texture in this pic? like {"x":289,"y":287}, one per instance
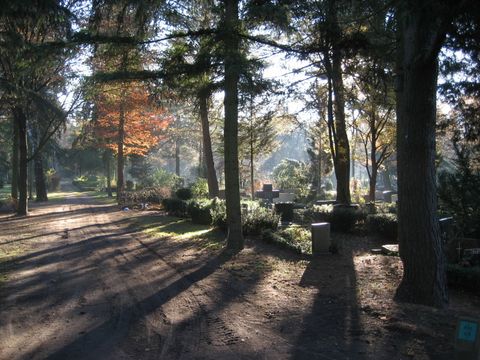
{"x":15,"y":160}
{"x":120,"y":145}
{"x":108,"y":171}
{"x":424,"y":279}
{"x":21,"y":120}
{"x":38,"y":169}
{"x":40,"y":182}
{"x":207,"y":148}
{"x":342,"y":147}
{"x":235,"y":239}
{"x":177,"y":157}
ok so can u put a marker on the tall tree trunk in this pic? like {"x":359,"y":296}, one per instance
{"x":108,"y":171}
{"x":424,"y":279}
{"x":30,"y":178}
{"x":342,"y":148}
{"x":40,"y":181}
{"x":21,"y":119}
{"x":207,"y":147}
{"x":252,"y":165}
{"x":120,"y":145}
{"x":177,"y":157}
{"x":15,"y":164}
{"x":235,"y":239}
{"x":373,"y":160}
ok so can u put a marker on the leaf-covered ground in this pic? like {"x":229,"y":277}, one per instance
{"x":86,"y":280}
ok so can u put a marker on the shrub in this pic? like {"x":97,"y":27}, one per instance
{"x":53,"y":180}
{"x":1,"y":183}
{"x":184,"y":194}
{"x":152,"y":196}
{"x":129,"y":185}
{"x":467,"y":278}
{"x":299,"y":236}
{"x":200,"y":188}
{"x":175,"y":207}
{"x":273,"y":238}
{"x":218,"y":211}
{"x":384,"y":225}
{"x":200,"y":211}
{"x":285,"y":210}
{"x":341,"y":218}
{"x":258,"y":219}
{"x":85,"y":183}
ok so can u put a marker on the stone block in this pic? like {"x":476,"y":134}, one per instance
{"x":321,"y":238}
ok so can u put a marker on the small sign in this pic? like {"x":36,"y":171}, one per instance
{"x":467,"y":339}
{"x":467,"y":331}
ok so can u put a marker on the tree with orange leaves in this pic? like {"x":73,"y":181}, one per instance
{"x":128,"y":122}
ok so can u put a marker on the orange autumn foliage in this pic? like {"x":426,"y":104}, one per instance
{"x":144,"y":121}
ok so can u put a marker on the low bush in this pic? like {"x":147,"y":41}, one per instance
{"x":271,"y":237}
{"x":200,"y":211}
{"x":258,"y":219}
{"x":341,"y":219}
{"x":467,"y":278}
{"x":8,"y":204}
{"x":384,"y":225}
{"x":175,"y":207}
{"x":86,"y":183}
{"x":184,"y":194}
{"x":299,"y":236}
{"x":200,"y":188}
{"x":129,"y":185}
{"x":151,"y":196}
{"x":285,"y":210}
{"x":218,"y":211}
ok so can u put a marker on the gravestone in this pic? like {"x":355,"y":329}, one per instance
{"x":284,"y":197}
{"x":394,"y":198}
{"x":446,"y":234}
{"x":325,"y":202}
{"x":387,"y":195}
{"x":379,"y":195}
{"x":267,"y":193}
{"x":321,"y":241}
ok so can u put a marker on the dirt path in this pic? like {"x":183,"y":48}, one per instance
{"x":88,"y":285}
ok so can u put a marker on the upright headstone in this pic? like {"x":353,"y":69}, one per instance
{"x":284,"y":197}
{"x":321,"y":241}
{"x":387,"y":195}
{"x":268,"y":193}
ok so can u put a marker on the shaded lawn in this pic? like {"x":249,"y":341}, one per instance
{"x":5,"y":192}
{"x":178,"y":229}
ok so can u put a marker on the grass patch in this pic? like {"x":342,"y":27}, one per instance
{"x":177,"y":229}
{"x":99,"y":196}
{"x":8,"y":253}
{"x":5,"y":192}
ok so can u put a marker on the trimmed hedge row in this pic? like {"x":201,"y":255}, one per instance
{"x":385,"y":225}
{"x":341,"y":219}
{"x":213,"y":212}
{"x":467,"y":278}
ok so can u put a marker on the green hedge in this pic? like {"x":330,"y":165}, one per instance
{"x":271,"y":237}
{"x":385,"y":225}
{"x":467,"y":278}
{"x":184,"y":194}
{"x":175,"y":207}
{"x":341,"y":219}
{"x":200,"y":211}
{"x":258,"y":219}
